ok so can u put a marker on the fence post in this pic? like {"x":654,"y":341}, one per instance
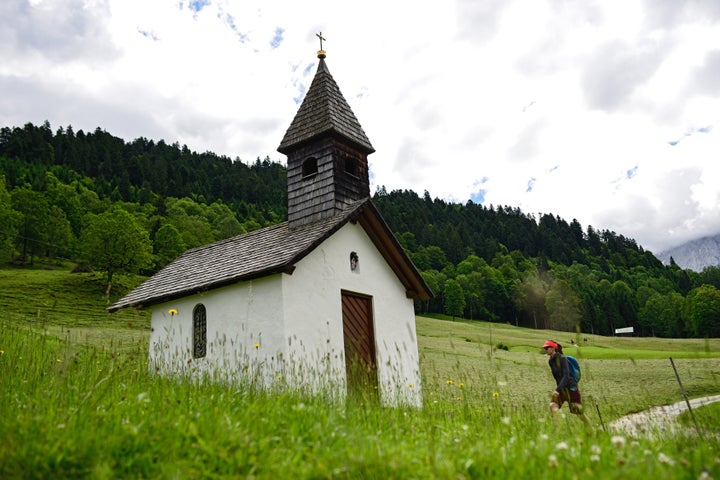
{"x":599,"y":415}
{"x":692,"y":414}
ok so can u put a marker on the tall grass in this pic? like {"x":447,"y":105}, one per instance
{"x":73,"y":411}
{"x":78,"y":401}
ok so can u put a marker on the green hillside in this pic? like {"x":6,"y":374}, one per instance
{"x":70,"y":306}
{"x":133,"y":206}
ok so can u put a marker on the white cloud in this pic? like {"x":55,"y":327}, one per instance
{"x":543,"y":105}
{"x":616,"y":69}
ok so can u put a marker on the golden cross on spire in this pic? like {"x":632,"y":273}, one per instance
{"x":321,"y":52}
{"x":320,"y":36}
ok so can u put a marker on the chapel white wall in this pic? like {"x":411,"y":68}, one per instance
{"x":313,"y":311}
{"x":245,"y":335}
{"x":295,"y":321}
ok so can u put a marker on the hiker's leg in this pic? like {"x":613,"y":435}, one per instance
{"x":576,"y":406}
{"x":555,"y":402}
{"x":577,"y":409}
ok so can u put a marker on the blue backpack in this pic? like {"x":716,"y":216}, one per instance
{"x":574,"y":367}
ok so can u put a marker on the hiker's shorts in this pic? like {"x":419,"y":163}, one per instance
{"x":572,"y":396}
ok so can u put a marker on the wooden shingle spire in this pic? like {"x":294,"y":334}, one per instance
{"x":324,"y":111}
{"x":327,"y":150}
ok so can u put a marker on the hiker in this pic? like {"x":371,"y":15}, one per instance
{"x":567,"y":387}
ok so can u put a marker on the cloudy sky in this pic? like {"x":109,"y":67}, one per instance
{"x":606,"y":111}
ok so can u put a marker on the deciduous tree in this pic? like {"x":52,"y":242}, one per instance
{"x":9,"y":220}
{"x":703,"y":311}
{"x":563,"y":306}
{"x":33,"y":227}
{"x":168,"y":245}
{"x":115,"y":242}
{"x":454,"y":299}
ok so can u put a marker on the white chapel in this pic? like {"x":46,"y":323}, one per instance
{"x":322,"y":302}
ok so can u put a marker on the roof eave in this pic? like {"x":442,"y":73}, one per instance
{"x":288,"y":267}
{"x":286,"y":147}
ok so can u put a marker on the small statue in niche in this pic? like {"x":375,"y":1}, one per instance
{"x":354,"y":263}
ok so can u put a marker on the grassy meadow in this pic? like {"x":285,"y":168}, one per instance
{"x":78,"y":402}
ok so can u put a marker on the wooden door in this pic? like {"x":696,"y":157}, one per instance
{"x":359,"y":336}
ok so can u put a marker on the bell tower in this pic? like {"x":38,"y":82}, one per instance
{"x":327,"y":150}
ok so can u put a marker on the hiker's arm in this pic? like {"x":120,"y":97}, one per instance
{"x":566,"y":380}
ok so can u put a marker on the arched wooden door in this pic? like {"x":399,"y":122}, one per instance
{"x":359,"y":336}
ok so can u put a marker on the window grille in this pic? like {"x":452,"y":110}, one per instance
{"x":199,"y":331}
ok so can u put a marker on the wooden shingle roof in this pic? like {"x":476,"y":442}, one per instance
{"x":267,"y":251}
{"x":324,"y":111}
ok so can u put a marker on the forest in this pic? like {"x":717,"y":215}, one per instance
{"x":120,"y":207}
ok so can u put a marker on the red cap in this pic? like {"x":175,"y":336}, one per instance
{"x":550,"y":343}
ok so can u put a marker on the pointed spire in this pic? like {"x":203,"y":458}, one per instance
{"x":324,"y":112}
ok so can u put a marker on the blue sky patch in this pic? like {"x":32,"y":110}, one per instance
{"x":197,"y":5}
{"x":230,"y":22}
{"x":150,"y":35}
{"x":277,"y":38}
{"x":690,"y":133}
{"x":530,"y":184}
{"x":300,"y":95}
{"x":478,"y":197}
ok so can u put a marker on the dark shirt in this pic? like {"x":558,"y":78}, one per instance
{"x":560,"y":367}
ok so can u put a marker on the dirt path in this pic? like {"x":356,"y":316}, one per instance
{"x":659,"y":420}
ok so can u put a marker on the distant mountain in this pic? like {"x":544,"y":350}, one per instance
{"x":695,"y":255}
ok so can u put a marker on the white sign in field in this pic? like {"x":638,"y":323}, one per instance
{"x":624,"y":330}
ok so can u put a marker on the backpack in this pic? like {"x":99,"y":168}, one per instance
{"x":574,"y":367}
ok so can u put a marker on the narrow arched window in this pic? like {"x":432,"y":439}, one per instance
{"x":354,"y":262}
{"x":309,"y":167}
{"x":199,"y":331}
